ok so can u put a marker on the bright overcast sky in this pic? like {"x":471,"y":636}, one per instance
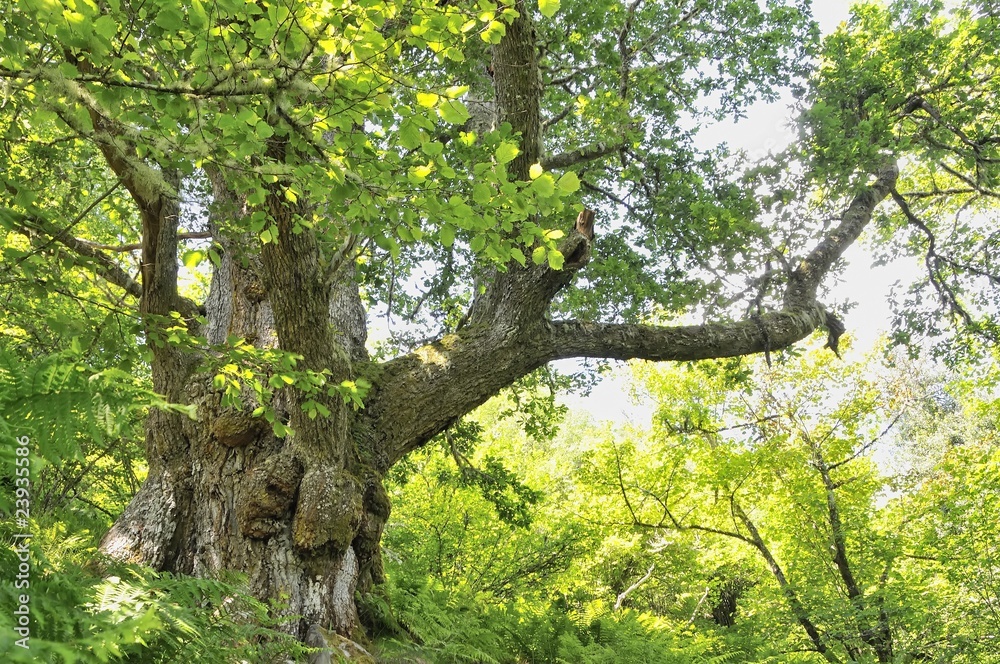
{"x":766,"y":126}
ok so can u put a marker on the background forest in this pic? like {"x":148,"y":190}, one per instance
{"x":763,"y":506}
{"x":798,"y":503}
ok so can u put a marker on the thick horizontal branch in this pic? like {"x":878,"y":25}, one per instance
{"x":123,"y":248}
{"x":99,"y":263}
{"x":800,"y":316}
{"x":225,"y":84}
{"x":584,"y":154}
{"x":419,"y":395}
{"x":685,"y":343}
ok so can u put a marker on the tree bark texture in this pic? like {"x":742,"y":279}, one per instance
{"x":302,"y":516}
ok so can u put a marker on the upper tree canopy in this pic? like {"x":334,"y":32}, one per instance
{"x":444,"y":149}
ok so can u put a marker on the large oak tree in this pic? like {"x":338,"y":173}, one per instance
{"x":426,"y":160}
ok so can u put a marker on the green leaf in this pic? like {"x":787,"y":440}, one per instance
{"x":106,"y":26}
{"x":447,"y":235}
{"x":170,"y":19}
{"x":419,"y":173}
{"x":409,"y":135}
{"x":544,"y":186}
{"x":481,"y":193}
{"x":193,"y":259}
{"x":569,"y":183}
{"x":263,"y":29}
{"x":264,"y":130}
{"x":427,"y":99}
{"x":257,"y":196}
{"x":555,"y":259}
{"x":433,"y":148}
{"x":507,"y":152}
{"x":68,"y":70}
{"x":453,"y":111}
{"x":493,"y":32}
{"x":198,"y":16}
{"x":538,"y":255}
{"x":548,"y":7}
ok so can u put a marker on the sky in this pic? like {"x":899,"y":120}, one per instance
{"x":767,"y":128}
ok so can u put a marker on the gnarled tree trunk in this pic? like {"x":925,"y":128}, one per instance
{"x":300,"y":516}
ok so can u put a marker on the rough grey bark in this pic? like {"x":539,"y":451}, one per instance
{"x":518,"y":84}
{"x":300,"y":517}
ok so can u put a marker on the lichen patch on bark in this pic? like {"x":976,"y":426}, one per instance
{"x":329,"y":509}
{"x":235,"y":429}
{"x":267,"y":495}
